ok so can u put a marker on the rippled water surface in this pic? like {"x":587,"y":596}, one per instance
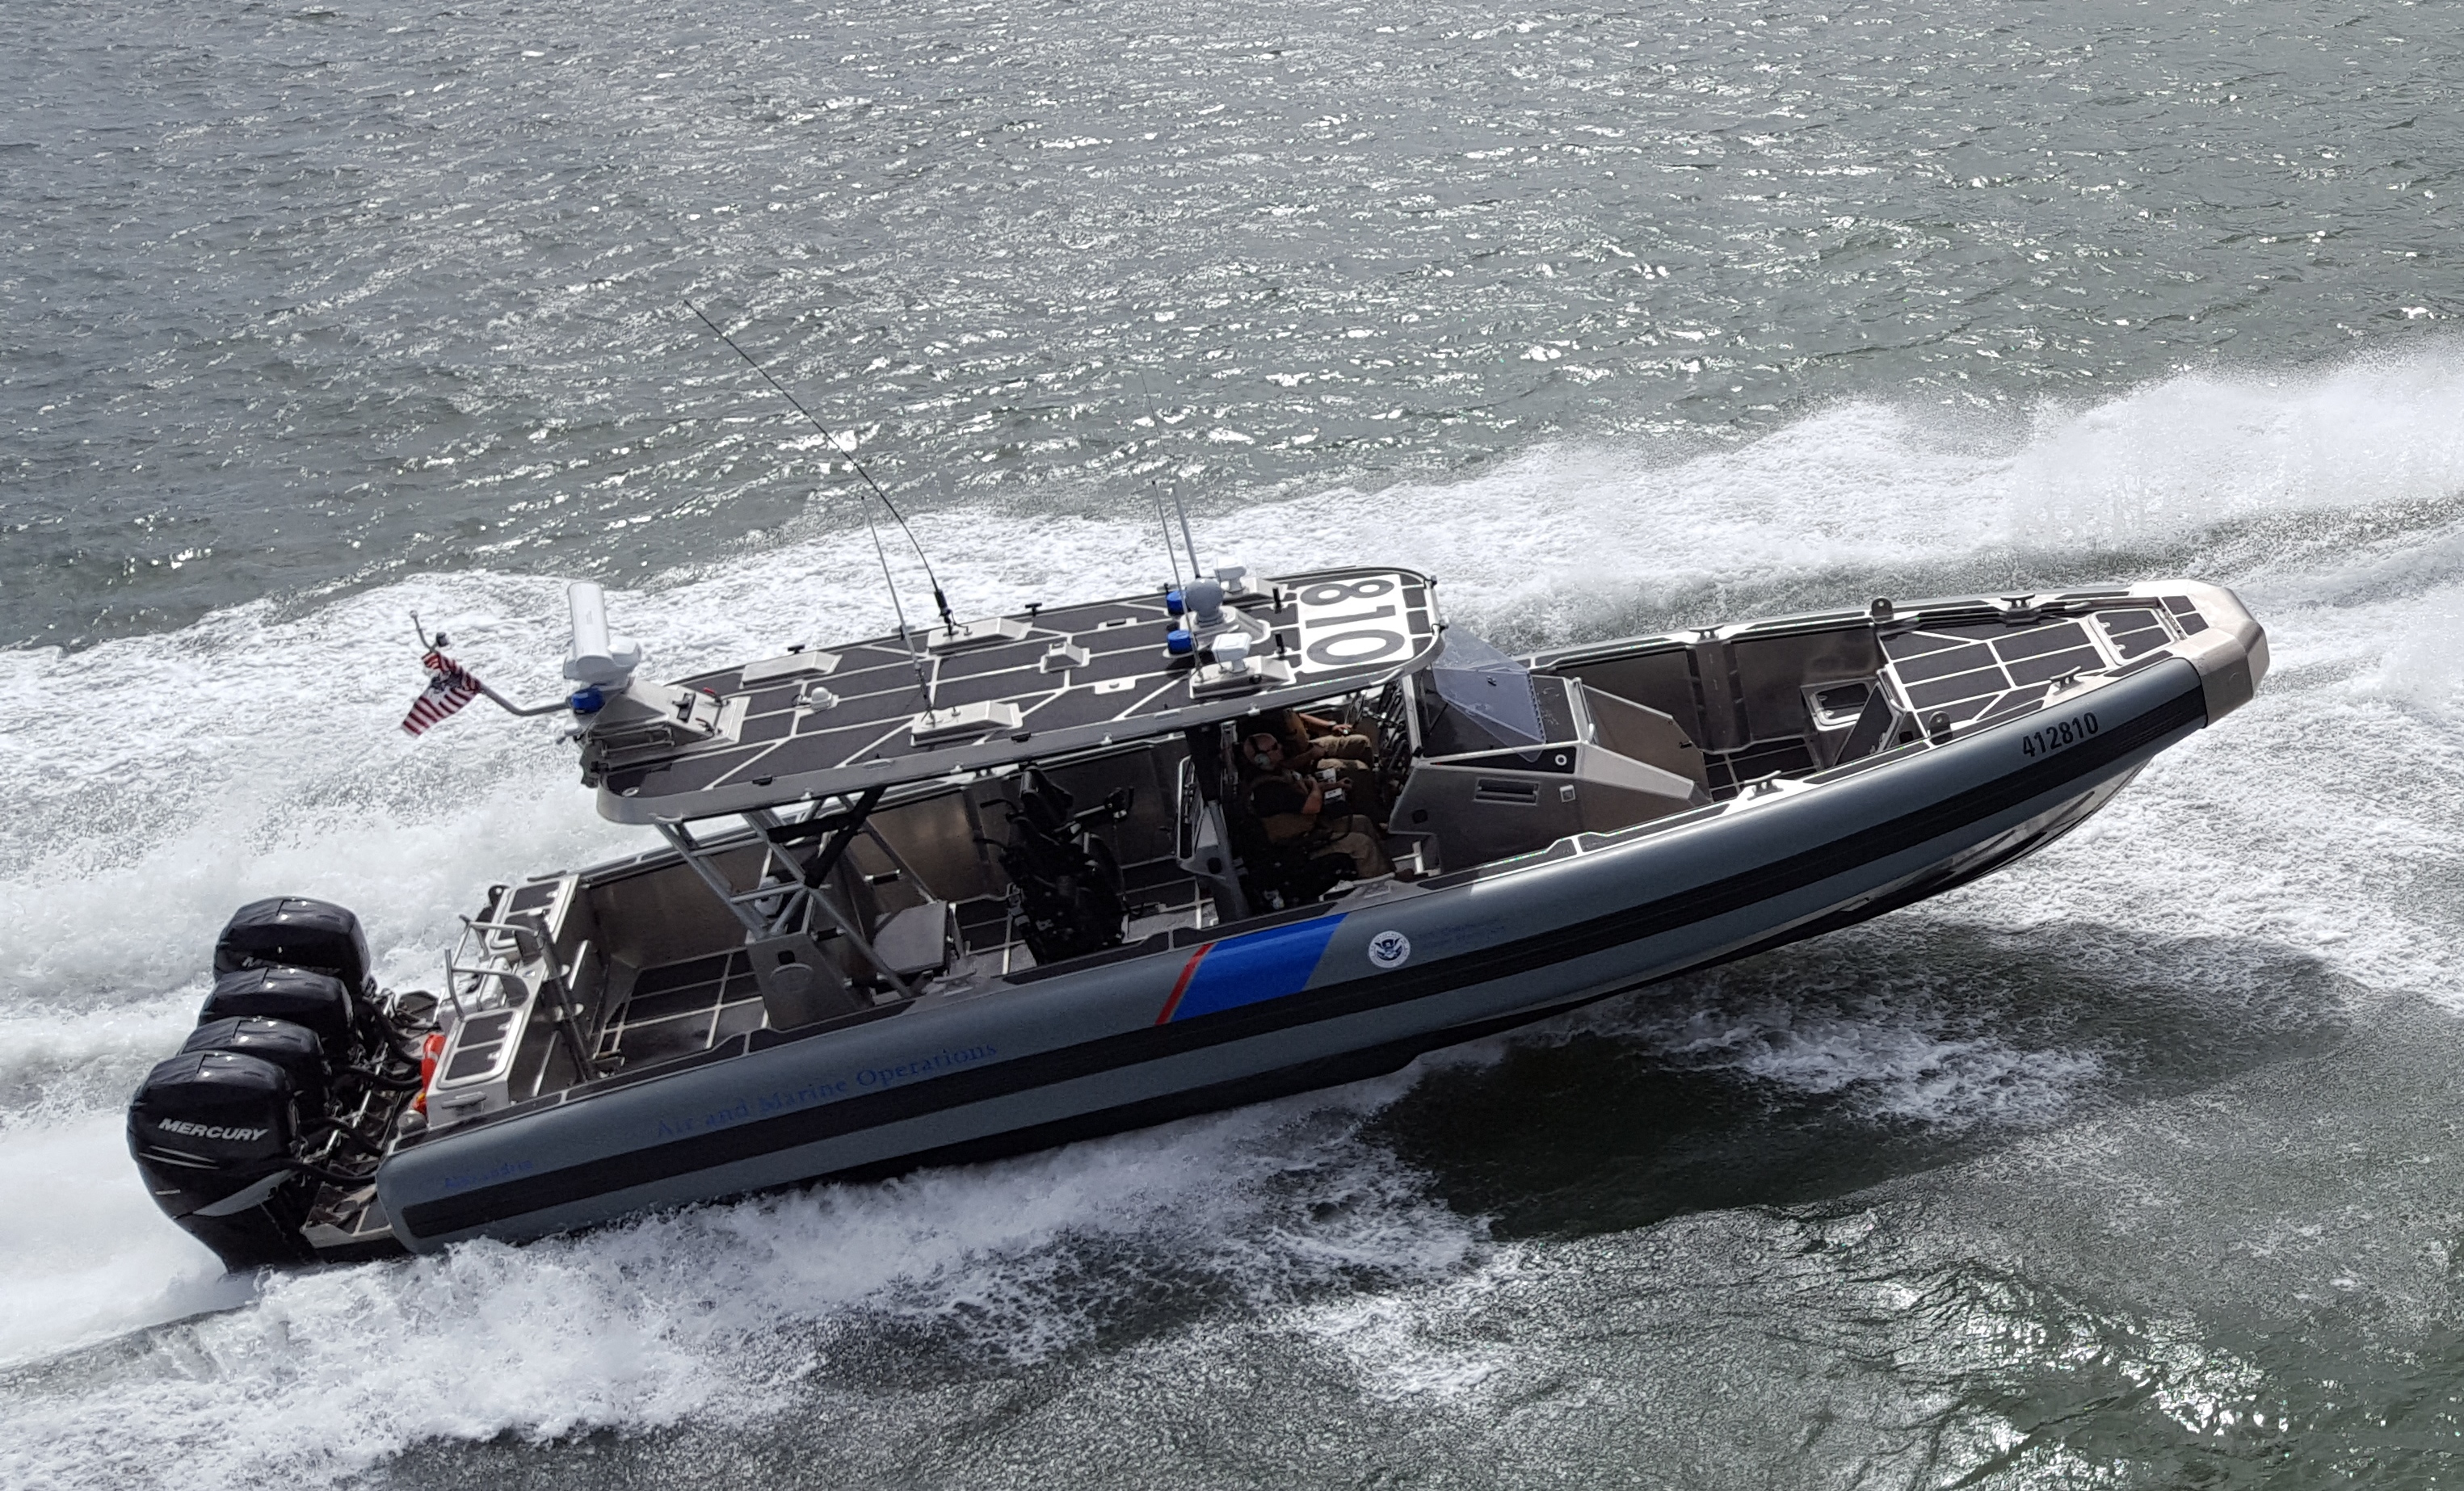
{"x":2134,"y":1164}
{"x":308,"y":296}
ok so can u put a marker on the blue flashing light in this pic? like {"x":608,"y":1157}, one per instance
{"x":587,"y":701}
{"x":1172,"y":602}
{"x":1178,"y":643}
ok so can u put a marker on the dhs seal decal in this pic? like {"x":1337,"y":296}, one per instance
{"x":1390,"y":950}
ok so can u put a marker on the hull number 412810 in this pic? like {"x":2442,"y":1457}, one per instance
{"x":2053,"y":737}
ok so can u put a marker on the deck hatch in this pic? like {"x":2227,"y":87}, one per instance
{"x":2133,"y":634}
{"x":681,"y":1008}
{"x":2045,"y":667}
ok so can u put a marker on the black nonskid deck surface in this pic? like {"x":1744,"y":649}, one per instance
{"x":1091,"y":669}
{"x":1974,"y":670}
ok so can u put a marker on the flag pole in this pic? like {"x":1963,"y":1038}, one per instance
{"x":438,"y":644}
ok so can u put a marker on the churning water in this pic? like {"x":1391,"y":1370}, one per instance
{"x":2134,"y":1164}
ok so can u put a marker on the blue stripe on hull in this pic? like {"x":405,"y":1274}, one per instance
{"x":1263,"y":965}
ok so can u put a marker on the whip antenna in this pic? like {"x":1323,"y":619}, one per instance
{"x":1155,"y":487}
{"x":940,"y":602}
{"x":923,"y":679}
{"x":1195,"y":572}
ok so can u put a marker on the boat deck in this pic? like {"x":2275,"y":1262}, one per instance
{"x":1957,"y":667}
{"x":687,"y":1007}
{"x":1974,"y":670}
{"x":677,"y":1009}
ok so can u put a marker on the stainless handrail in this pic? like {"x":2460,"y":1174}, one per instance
{"x":520,"y":934}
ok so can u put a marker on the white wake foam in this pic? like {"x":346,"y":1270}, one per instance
{"x":87,"y":1258}
{"x":715,"y":1314}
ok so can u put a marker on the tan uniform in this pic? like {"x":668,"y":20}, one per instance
{"x":1349,"y":834}
{"x":1352,"y":756}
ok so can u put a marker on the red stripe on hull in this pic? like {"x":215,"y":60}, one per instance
{"x":1180,"y":986}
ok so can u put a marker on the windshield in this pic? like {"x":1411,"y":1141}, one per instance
{"x":1478,"y":699}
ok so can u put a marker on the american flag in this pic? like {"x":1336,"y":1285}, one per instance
{"x":449,"y":689}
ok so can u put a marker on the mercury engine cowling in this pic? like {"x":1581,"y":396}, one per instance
{"x":319,"y":1002}
{"x":257,"y":1137}
{"x":294,"y":1049}
{"x":216,"y":1134}
{"x":294,"y":931}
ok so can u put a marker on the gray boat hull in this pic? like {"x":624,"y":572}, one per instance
{"x":1329,"y":994}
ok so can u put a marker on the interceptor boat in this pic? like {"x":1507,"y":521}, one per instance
{"x":949,"y":894}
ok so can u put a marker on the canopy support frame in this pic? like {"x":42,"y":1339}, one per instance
{"x":787,"y":892}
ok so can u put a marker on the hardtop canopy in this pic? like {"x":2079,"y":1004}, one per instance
{"x":1045,"y":680}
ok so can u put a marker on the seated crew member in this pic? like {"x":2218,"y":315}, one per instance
{"x":1296,"y":813}
{"x":1265,"y":756}
{"x":1310,"y":738}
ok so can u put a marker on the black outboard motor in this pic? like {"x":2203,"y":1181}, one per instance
{"x":318,"y":936}
{"x":294,"y":1049}
{"x":294,"y":931}
{"x":318,"y":1001}
{"x":216,"y":1134}
{"x":290,"y":1081}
